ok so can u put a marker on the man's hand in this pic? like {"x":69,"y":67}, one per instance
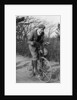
{"x":30,"y":42}
{"x":47,"y":43}
{"x":33,"y":43}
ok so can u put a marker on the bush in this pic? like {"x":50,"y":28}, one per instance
{"x":22,"y":48}
{"x":54,"y":49}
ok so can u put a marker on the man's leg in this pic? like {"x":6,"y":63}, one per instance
{"x":34,"y":61}
{"x":35,"y":66}
{"x":33,"y":70}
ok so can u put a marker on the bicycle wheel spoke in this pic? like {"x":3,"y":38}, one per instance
{"x":46,"y":77}
{"x":45,"y":70}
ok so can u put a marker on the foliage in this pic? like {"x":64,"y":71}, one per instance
{"x":23,"y":27}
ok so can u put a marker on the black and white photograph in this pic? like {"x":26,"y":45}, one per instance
{"x":38,"y":48}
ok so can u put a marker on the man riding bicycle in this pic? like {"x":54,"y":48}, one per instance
{"x":35,"y":40}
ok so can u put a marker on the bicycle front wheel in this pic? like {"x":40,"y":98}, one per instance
{"x":45,"y":70}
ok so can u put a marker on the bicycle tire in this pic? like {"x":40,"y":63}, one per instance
{"x":46,"y":74}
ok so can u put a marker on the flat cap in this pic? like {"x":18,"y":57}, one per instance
{"x":41,"y":26}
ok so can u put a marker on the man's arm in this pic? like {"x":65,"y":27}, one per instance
{"x":42,"y":39}
{"x":30,"y":38}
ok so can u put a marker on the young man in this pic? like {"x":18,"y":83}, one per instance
{"x":35,"y":40}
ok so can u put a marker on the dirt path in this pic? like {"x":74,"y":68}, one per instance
{"x":23,"y":64}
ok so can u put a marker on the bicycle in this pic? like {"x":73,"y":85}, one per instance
{"x":43,"y":65}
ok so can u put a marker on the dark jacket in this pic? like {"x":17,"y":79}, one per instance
{"x":33,"y":37}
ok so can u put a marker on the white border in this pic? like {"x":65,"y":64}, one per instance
{"x":63,"y":88}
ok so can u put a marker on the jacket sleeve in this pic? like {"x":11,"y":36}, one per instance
{"x":30,"y":37}
{"x":42,"y":39}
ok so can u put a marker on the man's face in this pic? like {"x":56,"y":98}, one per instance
{"x":40,"y":30}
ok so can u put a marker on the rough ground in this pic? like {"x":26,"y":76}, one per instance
{"x":23,"y":64}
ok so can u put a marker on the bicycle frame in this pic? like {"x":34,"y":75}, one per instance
{"x":41,"y":54}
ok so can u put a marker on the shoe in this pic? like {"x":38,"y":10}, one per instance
{"x":32,"y":74}
{"x":38,"y":76}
